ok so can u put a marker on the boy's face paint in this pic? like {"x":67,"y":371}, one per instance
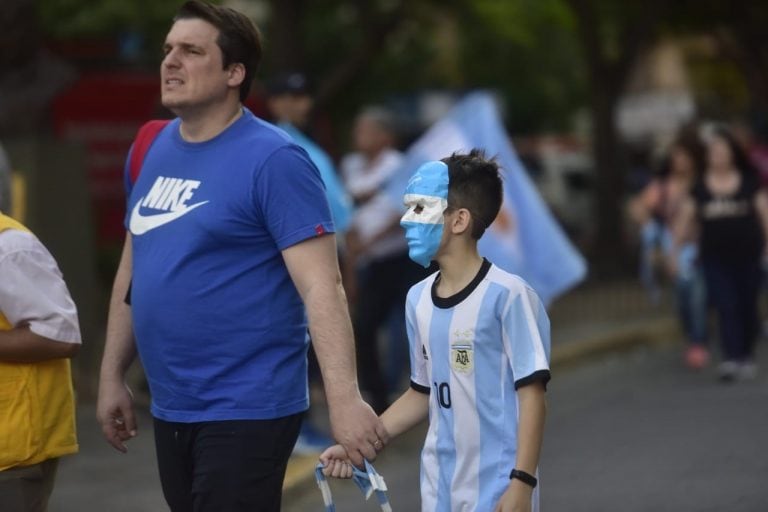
{"x":426,"y":198}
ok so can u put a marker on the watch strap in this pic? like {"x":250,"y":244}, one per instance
{"x":524,"y":477}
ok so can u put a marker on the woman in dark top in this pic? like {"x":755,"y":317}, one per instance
{"x":730,"y":213}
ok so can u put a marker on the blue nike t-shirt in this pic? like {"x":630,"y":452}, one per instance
{"x":219,"y":325}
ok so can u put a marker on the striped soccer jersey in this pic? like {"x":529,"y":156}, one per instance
{"x":471,"y":352}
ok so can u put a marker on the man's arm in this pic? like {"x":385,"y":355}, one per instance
{"x":530,"y":432}
{"x":114,"y":408}
{"x":21,"y":345}
{"x":314,"y":270}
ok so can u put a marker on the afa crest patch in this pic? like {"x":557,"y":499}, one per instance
{"x":462,"y":358}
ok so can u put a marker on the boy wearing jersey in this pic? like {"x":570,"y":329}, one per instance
{"x":480,"y":346}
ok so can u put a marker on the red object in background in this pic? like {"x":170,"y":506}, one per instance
{"x":103,"y":111}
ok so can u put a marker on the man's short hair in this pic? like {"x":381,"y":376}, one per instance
{"x":239,"y":39}
{"x":474,"y":183}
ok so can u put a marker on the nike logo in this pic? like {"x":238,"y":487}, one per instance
{"x":169,"y":195}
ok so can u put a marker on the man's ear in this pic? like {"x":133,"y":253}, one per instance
{"x":235,"y":74}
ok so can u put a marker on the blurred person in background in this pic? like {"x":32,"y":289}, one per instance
{"x":39,"y":333}
{"x":289,"y":101}
{"x":729,"y":210}
{"x":380,"y":271}
{"x":5,"y":182}
{"x":229,"y":257}
{"x":657,"y":209}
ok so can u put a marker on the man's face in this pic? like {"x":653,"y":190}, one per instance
{"x":192,"y":71}
{"x":426,"y":199}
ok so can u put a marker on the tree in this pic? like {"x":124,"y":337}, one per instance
{"x":30,"y":75}
{"x":613,"y":35}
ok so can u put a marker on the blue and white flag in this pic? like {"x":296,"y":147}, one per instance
{"x":525,"y":239}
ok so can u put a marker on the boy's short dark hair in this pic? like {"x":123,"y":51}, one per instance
{"x":239,"y":39}
{"x":474,"y":183}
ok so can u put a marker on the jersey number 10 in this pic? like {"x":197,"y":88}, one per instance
{"x":443,"y":394}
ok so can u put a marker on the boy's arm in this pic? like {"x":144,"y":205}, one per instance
{"x":407,"y":411}
{"x":530,"y":432}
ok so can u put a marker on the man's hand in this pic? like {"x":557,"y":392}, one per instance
{"x":114,"y":410}
{"x":357,"y":428}
{"x":517,"y":498}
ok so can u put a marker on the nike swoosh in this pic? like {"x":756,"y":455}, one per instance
{"x":140,"y":224}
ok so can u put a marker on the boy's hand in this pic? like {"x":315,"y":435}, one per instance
{"x":336,"y":462}
{"x":517,"y":498}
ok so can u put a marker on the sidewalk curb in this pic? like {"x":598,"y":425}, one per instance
{"x":662,"y":331}
{"x":657,"y":332}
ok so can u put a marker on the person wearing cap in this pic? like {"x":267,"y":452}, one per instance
{"x":290,"y":103}
{"x":229,"y":257}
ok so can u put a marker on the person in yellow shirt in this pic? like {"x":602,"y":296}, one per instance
{"x":39,"y":332}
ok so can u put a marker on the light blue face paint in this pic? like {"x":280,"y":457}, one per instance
{"x":426,"y":198}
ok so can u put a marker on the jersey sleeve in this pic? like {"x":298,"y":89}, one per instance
{"x":290,"y":195}
{"x":418,"y":353}
{"x":33,"y":292}
{"x":527,"y":338}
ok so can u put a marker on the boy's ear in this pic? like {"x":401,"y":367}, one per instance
{"x":461,"y":221}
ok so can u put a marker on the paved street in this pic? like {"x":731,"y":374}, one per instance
{"x":629,"y":432}
{"x":635,"y":432}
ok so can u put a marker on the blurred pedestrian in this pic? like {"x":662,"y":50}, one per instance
{"x":5,"y":182}
{"x":39,"y":333}
{"x":377,"y":253}
{"x":480,"y":344}
{"x":657,"y":209}
{"x":730,"y":212}
{"x":290,"y":103}
{"x":228,"y":258}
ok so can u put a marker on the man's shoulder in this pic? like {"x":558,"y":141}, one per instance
{"x":268,"y":134}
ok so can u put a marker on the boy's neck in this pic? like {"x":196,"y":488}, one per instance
{"x":457,"y":269}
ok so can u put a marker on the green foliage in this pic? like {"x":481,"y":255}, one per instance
{"x":528,"y":51}
{"x":82,"y":18}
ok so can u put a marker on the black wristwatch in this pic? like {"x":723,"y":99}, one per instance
{"x":524,"y":477}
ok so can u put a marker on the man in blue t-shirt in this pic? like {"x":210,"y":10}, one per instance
{"x":229,"y":256}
